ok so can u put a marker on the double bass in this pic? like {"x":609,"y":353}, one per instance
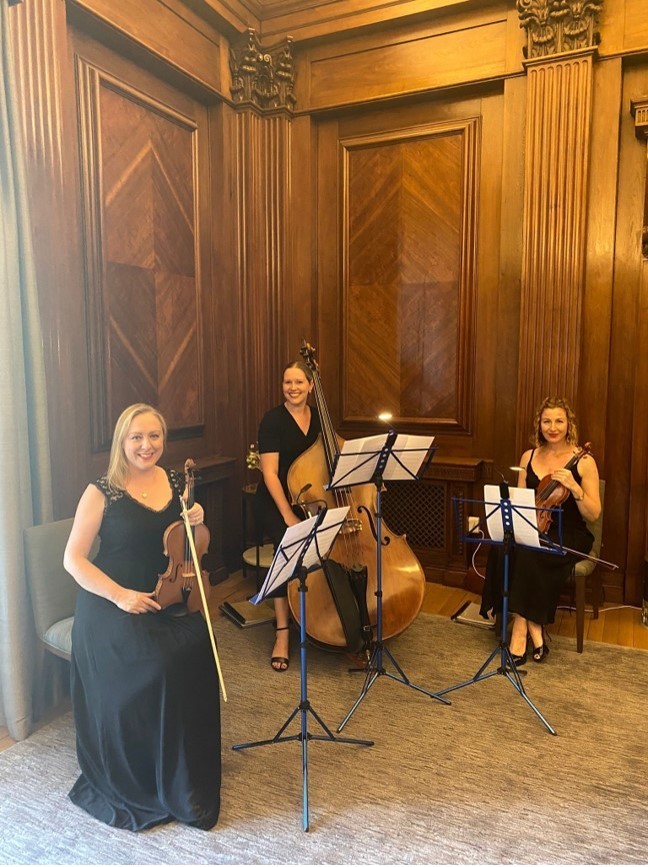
{"x":403,"y":579}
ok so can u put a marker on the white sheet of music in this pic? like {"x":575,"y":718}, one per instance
{"x":410,"y":449}
{"x":285,"y":558}
{"x":361,"y":456}
{"x":525,"y":522}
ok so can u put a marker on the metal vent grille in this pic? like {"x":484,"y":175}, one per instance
{"x":417,"y":509}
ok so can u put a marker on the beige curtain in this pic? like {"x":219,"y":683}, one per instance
{"x":24,"y":446}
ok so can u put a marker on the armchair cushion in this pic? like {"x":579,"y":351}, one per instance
{"x":52,"y":590}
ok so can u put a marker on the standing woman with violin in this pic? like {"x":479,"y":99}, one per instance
{"x":143,"y":682}
{"x":536,"y":579}
{"x":285,"y":432}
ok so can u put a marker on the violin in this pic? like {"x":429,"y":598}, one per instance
{"x":551,"y":493}
{"x":403,"y":579}
{"x":179,"y":584}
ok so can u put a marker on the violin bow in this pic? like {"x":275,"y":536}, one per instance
{"x":194,"y":556}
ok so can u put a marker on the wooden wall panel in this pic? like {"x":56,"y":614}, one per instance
{"x":621,"y":413}
{"x":498,"y":330}
{"x":409,"y":294}
{"x":157,"y":32}
{"x":374,"y":368}
{"x":312,"y":19}
{"x":635,"y":20}
{"x":139,"y":166}
{"x":404,"y":65}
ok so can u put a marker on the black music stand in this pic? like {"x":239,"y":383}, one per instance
{"x":375,"y":460}
{"x":302,"y":548}
{"x":513,"y":520}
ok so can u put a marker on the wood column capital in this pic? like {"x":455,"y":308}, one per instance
{"x":559,"y":26}
{"x":262,"y":78}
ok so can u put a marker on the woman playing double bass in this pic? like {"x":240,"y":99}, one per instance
{"x":143,"y":682}
{"x":536,"y":579}
{"x":285,"y":432}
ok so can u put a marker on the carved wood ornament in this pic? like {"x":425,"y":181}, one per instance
{"x":262,"y":77}
{"x":639,"y":108}
{"x":557,"y":26}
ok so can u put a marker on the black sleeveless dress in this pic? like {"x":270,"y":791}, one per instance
{"x":279,"y":432}
{"x":144,"y":686}
{"x":536,"y":580}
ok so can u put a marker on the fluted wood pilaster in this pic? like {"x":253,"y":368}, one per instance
{"x":263,"y":146}
{"x":555,"y":207}
{"x":36,"y":33}
{"x":43,"y":82}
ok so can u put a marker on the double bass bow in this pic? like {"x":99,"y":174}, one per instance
{"x":403,"y":579}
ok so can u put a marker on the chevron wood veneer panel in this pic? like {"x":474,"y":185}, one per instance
{"x":409,"y":251}
{"x":138,"y":161}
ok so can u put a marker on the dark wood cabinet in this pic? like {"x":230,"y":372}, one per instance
{"x":425,"y":511}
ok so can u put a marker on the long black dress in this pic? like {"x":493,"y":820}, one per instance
{"x":279,"y":432}
{"x":144,"y":686}
{"x":536,"y":580}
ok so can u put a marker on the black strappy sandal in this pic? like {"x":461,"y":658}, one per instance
{"x":282,"y":661}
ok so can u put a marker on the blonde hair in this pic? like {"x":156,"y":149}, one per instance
{"x":537,"y":438}
{"x":117,"y":474}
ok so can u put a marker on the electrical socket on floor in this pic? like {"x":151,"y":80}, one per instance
{"x":473,"y":524}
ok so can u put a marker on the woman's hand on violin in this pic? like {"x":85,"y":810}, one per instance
{"x":196,"y":514}
{"x":567,"y":480}
{"x":134,"y":602}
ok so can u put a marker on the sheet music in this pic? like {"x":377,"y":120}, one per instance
{"x":525,"y":521}
{"x":287,"y":554}
{"x":410,"y":450}
{"x":358,"y":458}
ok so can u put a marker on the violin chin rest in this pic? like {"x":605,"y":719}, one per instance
{"x":179,"y":609}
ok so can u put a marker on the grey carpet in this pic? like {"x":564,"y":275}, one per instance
{"x":479,"y":782}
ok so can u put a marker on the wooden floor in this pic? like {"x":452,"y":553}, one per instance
{"x":615,"y":625}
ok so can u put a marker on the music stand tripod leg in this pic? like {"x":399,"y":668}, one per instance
{"x":303,"y":709}
{"x":375,"y":667}
{"x":507,"y":667}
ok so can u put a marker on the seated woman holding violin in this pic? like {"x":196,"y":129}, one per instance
{"x":143,"y":681}
{"x":561,"y":473}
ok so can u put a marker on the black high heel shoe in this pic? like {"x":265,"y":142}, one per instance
{"x":540,"y":653}
{"x":519,"y":661}
{"x":280,"y":663}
